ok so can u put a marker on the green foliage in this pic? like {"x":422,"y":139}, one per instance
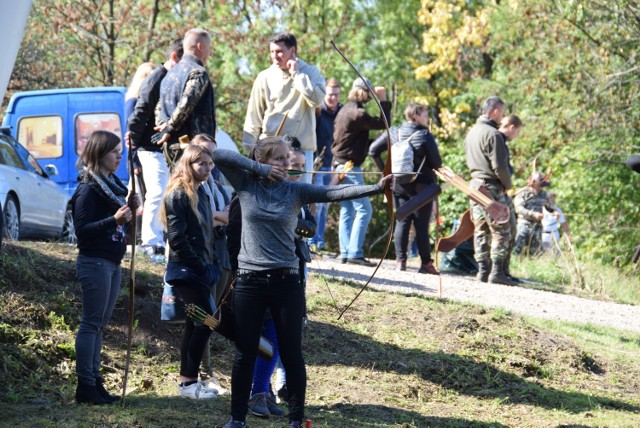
{"x":568,"y":69}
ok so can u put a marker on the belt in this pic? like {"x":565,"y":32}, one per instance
{"x":269,"y":272}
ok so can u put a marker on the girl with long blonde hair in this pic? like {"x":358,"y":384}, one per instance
{"x":193,"y":267}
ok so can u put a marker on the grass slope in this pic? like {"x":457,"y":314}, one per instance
{"x":392,"y":361}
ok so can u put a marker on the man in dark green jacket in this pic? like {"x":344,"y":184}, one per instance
{"x":488,"y":162}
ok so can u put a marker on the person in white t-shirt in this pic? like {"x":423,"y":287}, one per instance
{"x":552,"y":222}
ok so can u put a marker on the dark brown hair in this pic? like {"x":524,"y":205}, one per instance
{"x":100,"y":143}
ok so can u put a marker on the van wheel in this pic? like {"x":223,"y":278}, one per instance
{"x":68,"y":235}
{"x":11,"y":219}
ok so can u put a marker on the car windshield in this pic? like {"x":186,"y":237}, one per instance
{"x":29,"y":161}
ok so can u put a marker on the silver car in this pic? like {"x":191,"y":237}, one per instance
{"x":33,"y":206}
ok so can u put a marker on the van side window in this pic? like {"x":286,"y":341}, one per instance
{"x":41,"y":135}
{"x":85,"y":124}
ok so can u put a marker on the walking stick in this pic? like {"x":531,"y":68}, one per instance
{"x":132,"y":280}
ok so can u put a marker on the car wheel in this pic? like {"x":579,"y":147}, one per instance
{"x":68,"y":229}
{"x":11,"y":219}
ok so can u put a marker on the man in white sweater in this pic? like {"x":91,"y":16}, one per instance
{"x":292,"y":87}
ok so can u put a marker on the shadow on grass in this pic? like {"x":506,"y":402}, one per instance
{"x":450,"y":371}
{"x":352,"y":415}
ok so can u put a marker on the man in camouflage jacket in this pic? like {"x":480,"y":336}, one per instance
{"x":488,"y":162}
{"x":529,"y":202}
{"x":186,"y":104}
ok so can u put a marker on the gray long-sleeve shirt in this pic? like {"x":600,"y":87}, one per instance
{"x":270,"y":209}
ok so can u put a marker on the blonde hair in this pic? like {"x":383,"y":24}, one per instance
{"x":183,"y":179}
{"x":265,"y":147}
{"x":193,"y":37}
{"x":142,"y":72}
{"x":359,"y":95}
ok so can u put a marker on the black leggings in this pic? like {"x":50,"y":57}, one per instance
{"x":420,"y":220}
{"x":284,"y":295}
{"x":195,"y":335}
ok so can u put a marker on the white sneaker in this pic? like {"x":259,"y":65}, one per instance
{"x":213,"y":385}
{"x":196,"y":391}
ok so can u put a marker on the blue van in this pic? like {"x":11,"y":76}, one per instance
{"x":54,"y":125}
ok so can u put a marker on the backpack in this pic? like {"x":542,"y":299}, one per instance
{"x":402,"y":160}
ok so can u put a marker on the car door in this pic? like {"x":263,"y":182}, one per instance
{"x":19,"y":182}
{"x":44,"y":197}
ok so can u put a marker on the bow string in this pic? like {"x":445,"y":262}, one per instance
{"x":386,"y":171}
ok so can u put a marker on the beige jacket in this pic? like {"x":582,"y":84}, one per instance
{"x":274,"y":93}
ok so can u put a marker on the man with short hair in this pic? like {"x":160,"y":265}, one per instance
{"x":325,"y":116}
{"x":290,"y":86}
{"x":186,"y":97}
{"x":155,"y":173}
{"x":488,"y":162}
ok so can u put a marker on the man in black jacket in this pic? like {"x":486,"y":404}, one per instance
{"x":155,"y":172}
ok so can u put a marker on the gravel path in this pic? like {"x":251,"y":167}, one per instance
{"x":525,"y":301}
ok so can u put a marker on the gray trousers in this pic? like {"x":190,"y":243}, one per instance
{"x":100,"y":282}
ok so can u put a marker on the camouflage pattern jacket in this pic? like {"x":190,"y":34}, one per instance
{"x":528,"y":203}
{"x":186,"y":100}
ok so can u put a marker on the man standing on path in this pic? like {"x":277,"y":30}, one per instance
{"x":325,"y":116}
{"x":351,"y":146}
{"x":186,"y":97}
{"x":290,"y":86}
{"x":155,"y":172}
{"x":488,"y":162}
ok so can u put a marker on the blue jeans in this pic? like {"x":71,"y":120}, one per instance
{"x":100,"y":282}
{"x":355,"y":216}
{"x":264,"y":368}
{"x":322,"y":209}
{"x":284,"y":296}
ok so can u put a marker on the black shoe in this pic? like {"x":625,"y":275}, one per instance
{"x":343,"y":261}
{"x":104,"y":393}
{"x":89,"y":394}
{"x":360,"y":261}
{"x":232,"y":423}
{"x":295,"y":424}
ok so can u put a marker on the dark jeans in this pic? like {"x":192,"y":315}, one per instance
{"x":195,"y":336}
{"x":420,"y":220}
{"x":284,"y":295}
{"x":100,"y":282}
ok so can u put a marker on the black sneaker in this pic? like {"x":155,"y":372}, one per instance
{"x":232,"y":423}
{"x":295,"y":424}
{"x":360,"y":261}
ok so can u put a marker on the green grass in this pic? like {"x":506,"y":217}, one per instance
{"x":392,"y":361}
{"x":562,"y":272}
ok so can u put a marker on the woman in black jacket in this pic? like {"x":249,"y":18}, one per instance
{"x":100,"y":214}
{"x":426,"y":158}
{"x":193,"y":266}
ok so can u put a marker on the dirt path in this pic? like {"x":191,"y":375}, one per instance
{"x":525,"y":301}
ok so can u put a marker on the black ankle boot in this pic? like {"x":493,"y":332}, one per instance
{"x":103,"y":392}
{"x":89,"y":394}
{"x":498,"y":275}
{"x":484,"y":266}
